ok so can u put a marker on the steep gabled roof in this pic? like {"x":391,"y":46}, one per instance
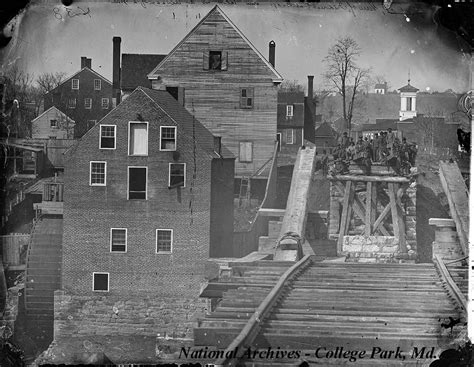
{"x":290,"y":97}
{"x":135,"y":68}
{"x":57,"y":111}
{"x":325,"y":130}
{"x":80,"y":71}
{"x":188,"y":123}
{"x":380,"y":86}
{"x":216,"y":9}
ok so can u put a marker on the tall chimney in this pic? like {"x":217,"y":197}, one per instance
{"x":310,"y":87}
{"x":271,"y":53}
{"x":83,"y":62}
{"x":116,"y":69}
{"x":89,"y":63}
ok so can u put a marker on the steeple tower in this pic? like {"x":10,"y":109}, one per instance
{"x":408,"y":101}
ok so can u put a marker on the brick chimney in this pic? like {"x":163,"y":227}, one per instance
{"x":116,"y":69}
{"x":271,"y":53}
{"x":310,"y":86}
{"x":83,"y":62}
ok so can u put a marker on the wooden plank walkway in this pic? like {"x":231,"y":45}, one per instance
{"x":458,"y":198}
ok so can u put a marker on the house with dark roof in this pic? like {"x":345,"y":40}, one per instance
{"x":223,"y":80}
{"x":290,"y":122}
{"x":134,"y":70}
{"x":381,"y":88}
{"x":84,"y":97}
{"x":326,"y":137}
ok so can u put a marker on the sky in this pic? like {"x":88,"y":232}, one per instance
{"x":47,"y":37}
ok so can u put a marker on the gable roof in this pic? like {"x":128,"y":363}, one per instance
{"x":57,"y":111}
{"x":80,"y":71}
{"x":380,"y":86}
{"x":325,"y":130}
{"x":185,"y":120}
{"x":290,"y":97}
{"x":408,"y":88}
{"x":135,"y":68}
{"x":216,"y":9}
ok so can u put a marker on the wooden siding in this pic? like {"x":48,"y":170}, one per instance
{"x":214,"y":96}
{"x":41,"y":127}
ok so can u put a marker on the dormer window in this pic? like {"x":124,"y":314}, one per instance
{"x":75,"y":84}
{"x":246,"y":97}
{"x":215,"y":60}
{"x":97,"y":84}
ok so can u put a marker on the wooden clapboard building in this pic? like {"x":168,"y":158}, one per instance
{"x":223,"y":80}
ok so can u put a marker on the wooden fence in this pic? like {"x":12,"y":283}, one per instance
{"x":14,"y":247}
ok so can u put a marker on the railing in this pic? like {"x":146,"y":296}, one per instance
{"x":452,"y":287}
{"x":251,"y":329}
{"x":53,"y":191}
{"x":245,"y":242}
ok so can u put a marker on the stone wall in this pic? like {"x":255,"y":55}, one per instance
{"x":153,"y":315}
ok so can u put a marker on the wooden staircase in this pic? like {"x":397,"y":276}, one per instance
{"x":43,"y":274}
{"x":351,"y":305}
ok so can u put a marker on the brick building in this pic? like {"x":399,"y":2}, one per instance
{"x":85,"y":97}
{"x":148,"y":199}
{"x":230,"y":87}
{"x":290,"y":120}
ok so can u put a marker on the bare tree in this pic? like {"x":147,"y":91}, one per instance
{"x":344,"y":76}
{"x":48,"y":81}
{"x":291,"y":86}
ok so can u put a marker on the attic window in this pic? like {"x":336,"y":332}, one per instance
{"x":177,"y":175}
{"x":138,"y":138}
{"x":97,"y":84}
{"x":54,"y":123}
{"x":215,"y":60}
{"x":246,"y":98}
{"x":107,"y":136}
{"x":168,"y":138}
{"x":75,"y":84}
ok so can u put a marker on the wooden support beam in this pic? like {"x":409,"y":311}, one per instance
{"x":392,"y":179}
{"x":381,"y":217}
{"x":397,"y":216}
{"x":345,"y":210}
{"x":350,"y":209}
{"x":368,"y":209}
{"x":373,"y":214}
{"x":393,"y":208}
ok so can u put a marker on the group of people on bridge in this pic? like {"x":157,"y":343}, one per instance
{"x":384,"y":147}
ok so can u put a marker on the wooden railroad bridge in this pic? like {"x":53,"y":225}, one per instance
{"x":380,"y":311}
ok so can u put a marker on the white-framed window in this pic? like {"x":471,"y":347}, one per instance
{"x":245,"y":151}
{"x":137,"y":138}
{"x":100,"y":282}
{"x":88,"y":103}
{"x":137,"y":183}
{"x":75,"y":84}
{"x":409,"y":104}
{"x":118,"y":239}
{"x":105,"y":103}
{"x":246,"y":97}
{"x":289,"y":136}
{"x":98,"y":173}
{"x":97,"y":84}
{"x":107,"y":136}
{"x":177,"y":175}
{"x":289,"y":111}
{"x":164,"y":241}
{"x":54,"y":124}
{"x":71,"y":103}
{"x":168,"y":138}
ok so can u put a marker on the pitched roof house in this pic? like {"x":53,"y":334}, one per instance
{"x":52,"y":124}
{"x":85,"y":97}
{"x":222,"y":79}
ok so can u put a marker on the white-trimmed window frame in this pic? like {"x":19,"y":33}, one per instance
{"x":175,"y":139}
{"x":156,"y":241}
{"x":115,"y":136}
{"x":104,"y":107}
{"x":169,"y":174}
{"x":90,"y":173}
{"x":86,"y":106}
{"x":73,"y":104}
{"x":73,"y":82}
{"x":292,"y":140}
{"x":93,"y":281}
{"x":99,"y":84}
{"x":289,"y":110}
{"x":126,"y":240}
{"x":147,"y":139}
{"x":251,"y":151}
{"x":128,"y":182}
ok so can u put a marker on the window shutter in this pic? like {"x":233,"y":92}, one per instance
{"x":205,"y":60}
{"x":224,"y":60}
